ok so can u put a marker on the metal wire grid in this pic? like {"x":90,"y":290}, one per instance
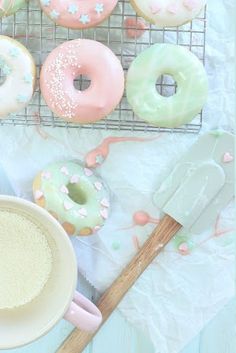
{"x":31,"y":27}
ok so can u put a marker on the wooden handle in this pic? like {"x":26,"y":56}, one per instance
{"x":166,"y":229}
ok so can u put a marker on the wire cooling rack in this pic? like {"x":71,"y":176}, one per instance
{"x":31,"y":27}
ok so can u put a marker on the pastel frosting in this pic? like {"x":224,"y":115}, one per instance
{"x":9,"y":7}
{"x":78,"y":13}
{"x":168,"y":13}
{"x":82,"y":57}
{"x":74,"y":195}
{"x":189,"y":74}
{"x":18,"y":66}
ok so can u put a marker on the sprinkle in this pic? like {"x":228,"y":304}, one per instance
{"x":73,"y":9}
{"x":173,"y":9}
{"x":38,"y":194}
{"x":22,"y":98}
{"x":88,"y":172}
{"x":183,"y":248}
{"x":45,"y":2}
{"x":115,"y":245}
{"x":155,"y":7}
{"x":104,"y":213}
{"x":98,"y":185}
{"x":46,"y":175}
{"x":227,"y":158}
{"x":14,"y":52}
{"x":68,"y":206}
{"x":99,"y":8}
{"x":74,"y":179}
{"x":83,"y":212}
{"x":64,"y":189}
{"x":54,"y":14}
{"x":28,"y":78}
{"x":84,"y":19}
{"x":105,"y":203}
{"x":96,"y":228}
{"x":191,"y":4}
{"x":99,"y":159}
{"x":6,"y":70}
{"x":64,"y":170}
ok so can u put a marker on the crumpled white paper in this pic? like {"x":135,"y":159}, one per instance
{"x":177,"y":295}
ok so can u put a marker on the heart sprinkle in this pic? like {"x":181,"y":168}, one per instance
{"x":74,"y":179}
{"x":227,"y":158}
{"x":155,"y":7}
{"x":98,"y":185}
{"x":104,"y":213}
{"x":64,"y":189}
{"x":88,"y":172}
{"x":46,"y":175}
{"x":105,"y":203}
{"x":68,"y":206}
{"x":38,"y":194}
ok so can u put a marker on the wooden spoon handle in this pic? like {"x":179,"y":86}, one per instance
{"x":166,"y":229}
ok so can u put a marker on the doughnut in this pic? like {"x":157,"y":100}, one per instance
{"x":168,"y":13}
{"x":73,"y":195}
{"x":9,"y":7}
{"x":78,"y":14}
{"x":189,"y":74}
{"x":82,"y":57}
{"x":17,"y":64}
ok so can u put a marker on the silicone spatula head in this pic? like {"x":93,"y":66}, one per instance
{"x":201,"y":184}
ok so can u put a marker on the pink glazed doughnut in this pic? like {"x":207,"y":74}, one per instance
{"x":78,"y":14}
{"x":82,"y":57}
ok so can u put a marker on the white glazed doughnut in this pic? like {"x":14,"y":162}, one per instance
{"x":74,"y":195}
{"x":168,"y":13}
{"x":17,"y":64}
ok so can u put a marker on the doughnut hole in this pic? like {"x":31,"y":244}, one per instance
{"x":166,"y":85}
{"x":82,"y":82}
{"x":77,"y":194}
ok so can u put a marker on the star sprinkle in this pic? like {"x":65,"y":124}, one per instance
{"x":28,"y":78}
{"x":14,"y":52}
{"x":99,"y":159}
{"x":84,"y":19}
{"x":99,"y":8}
{"x":45,"y":2}
{"x":22,"y":98}
{"x":73,"y":9}
{"x":6,"y":70}
{"x":54,"y":14}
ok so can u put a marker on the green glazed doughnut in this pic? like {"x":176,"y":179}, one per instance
{"x":189,"y":74}
{"x":9,"y":7}
{"x":76,"y":197}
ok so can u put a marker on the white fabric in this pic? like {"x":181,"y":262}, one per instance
{"x":178,"y":294}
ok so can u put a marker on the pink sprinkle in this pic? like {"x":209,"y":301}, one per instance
{"x":184,"y":249}
{"x":68,"y":206}
{"x":46,"y":175}
{"x":98,"y":185}
{"x":74,"y":179}
{"x":82,"y":212}
{"x":227,"y":158}
{"x":173,"y":9}
{"x":191,"y":4}
{"x":64,"y":171}
{"x":96,"y":228}
{"x":88,"y":172}
{"x":104,"y":214}
{"x":105,"y":203}
{"x":38,"y":194}
{"x":155,"y":7}
{"x":64,"y":189}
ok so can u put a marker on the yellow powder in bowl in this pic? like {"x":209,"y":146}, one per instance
{"x":25,"y":259}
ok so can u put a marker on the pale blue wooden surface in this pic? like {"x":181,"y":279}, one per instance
{"x":117,"y":336}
